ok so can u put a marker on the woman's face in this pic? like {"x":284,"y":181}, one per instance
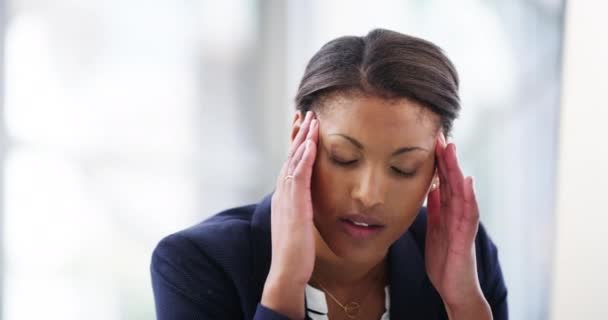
{"x":374,"y":165}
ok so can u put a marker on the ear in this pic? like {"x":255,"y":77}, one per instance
{"x":296,"y":124}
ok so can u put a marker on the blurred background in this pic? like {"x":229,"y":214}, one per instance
{"x":124,"y":121}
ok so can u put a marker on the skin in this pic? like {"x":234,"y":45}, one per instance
{"x":346,"y":159}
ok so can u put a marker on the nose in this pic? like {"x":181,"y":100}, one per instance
{"x":369,"y":190}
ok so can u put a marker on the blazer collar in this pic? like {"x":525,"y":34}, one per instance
{"x":409,"y":286}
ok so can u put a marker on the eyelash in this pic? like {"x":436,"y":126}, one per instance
{"x":395,"y":170}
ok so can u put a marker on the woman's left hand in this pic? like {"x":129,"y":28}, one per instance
{"x":452,"y":223}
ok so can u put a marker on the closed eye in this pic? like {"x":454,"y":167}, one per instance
{"x":403,"y":173}
{"x":346,"y":163}
{"x":343,"y":162}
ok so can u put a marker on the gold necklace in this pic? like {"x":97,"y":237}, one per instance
{"x":351,"y":309}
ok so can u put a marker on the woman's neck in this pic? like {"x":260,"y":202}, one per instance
{"x":333,"y":271}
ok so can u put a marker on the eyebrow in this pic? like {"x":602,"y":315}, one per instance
{"x":360,"y":146}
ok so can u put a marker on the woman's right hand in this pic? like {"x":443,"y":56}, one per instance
{"x":292,"y":228}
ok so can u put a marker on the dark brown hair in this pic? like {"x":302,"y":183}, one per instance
{"x":387,"y":64}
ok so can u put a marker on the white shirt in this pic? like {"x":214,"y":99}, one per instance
{"x":316,"y":304}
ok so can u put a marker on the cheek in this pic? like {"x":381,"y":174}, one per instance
{"x":408,"y":192}
{"x":404,"y":198}
{"x":328,"y":186}
{"x":403,"y":203}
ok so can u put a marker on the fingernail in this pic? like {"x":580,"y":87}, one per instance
{"x":472,"y":183}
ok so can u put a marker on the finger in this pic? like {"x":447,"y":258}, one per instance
{"x":456,"y":183}
{"x":301,"y":135}
{"x":441,"y":138}
{"x":303,"y":171}
{"x":297,"y":141}
{"x":470,"y":203}
{"x":313,"y":128}
{"x":433,"y":207}
{"x":293,"y":161}
{"x":441,"y":171}
{"x":454,"y":173}
{"x":440,"y":154}
{"x":313,"y":133}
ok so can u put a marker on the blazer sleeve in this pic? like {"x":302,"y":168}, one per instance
{"x":189,"y":285}
{"x":490,"y":274}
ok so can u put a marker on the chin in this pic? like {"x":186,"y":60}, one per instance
{"x":348,"y":250}
{"x":360,"y":257}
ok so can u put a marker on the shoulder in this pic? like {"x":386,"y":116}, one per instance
{"x":199,"y":272}
{"x":223,"y":239}
{"x":214,"y":252}
{"x":202,"y":269}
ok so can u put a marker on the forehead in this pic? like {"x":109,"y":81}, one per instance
{"x":374,"y":119}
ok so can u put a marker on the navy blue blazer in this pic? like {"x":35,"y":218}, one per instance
{"x":217,"y":269}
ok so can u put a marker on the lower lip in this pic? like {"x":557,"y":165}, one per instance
{"x":359,"y":232}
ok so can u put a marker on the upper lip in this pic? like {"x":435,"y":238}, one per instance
{"x":357,"y":217}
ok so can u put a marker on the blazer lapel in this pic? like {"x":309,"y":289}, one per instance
{"x":412,"y":296}
{"x":406,"y":270}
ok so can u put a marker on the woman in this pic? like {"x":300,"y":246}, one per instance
{"x":344,"y":235}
